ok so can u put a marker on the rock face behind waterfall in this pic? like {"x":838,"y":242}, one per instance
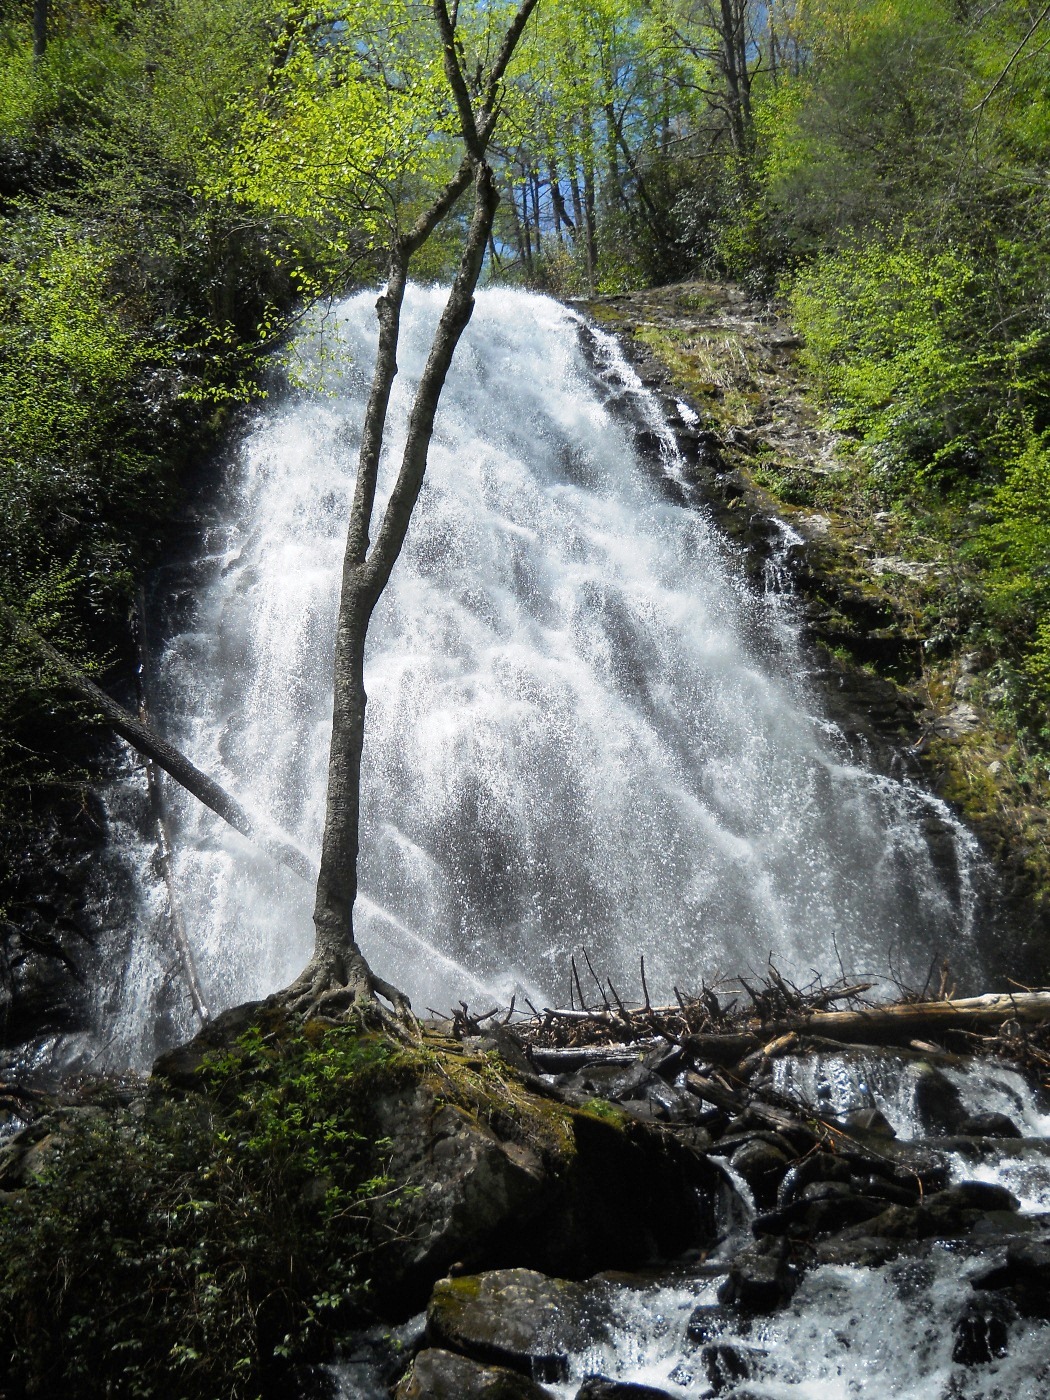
{"x":881,"y":603}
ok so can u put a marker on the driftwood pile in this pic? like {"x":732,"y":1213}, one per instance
{"x":750,"y":1019}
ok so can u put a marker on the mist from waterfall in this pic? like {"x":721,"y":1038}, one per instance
{"x":585,"y":728}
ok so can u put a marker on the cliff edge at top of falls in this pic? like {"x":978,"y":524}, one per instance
{"x":879,"y":598}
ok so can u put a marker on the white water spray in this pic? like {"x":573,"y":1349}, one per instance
{"x":584,"y":728}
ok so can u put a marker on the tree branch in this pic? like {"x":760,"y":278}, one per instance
{"x":499,"y":68}
{"x":152,"y":746}
{"x":453,"y":322}
{"x":456,"y":81}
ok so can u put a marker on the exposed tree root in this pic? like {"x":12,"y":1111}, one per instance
{"x":347,"y":989}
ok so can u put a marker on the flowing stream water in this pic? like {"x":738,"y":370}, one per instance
{"x":585,"y":727}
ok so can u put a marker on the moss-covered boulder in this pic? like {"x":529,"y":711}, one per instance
{"x":513,"y":1317}
{"x":441,"y":1375}
{"x":279,"y":1184}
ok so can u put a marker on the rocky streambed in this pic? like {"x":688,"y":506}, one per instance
{"x":882,"y":1228}
{"x":730,"y":1211}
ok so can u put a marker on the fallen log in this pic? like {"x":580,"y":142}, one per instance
{"x":902,"y":1022}
{"x":897,"y":1024}
{"x":158,"y":750}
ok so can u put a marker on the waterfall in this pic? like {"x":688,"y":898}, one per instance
{"x":585,"y":728}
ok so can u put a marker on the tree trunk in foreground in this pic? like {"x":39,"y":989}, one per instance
{"x":337,"y":962}
{"x":338,"y":974}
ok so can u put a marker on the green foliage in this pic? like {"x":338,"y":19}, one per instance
{"x":198,"y":1248}
{"x":1015,"y":549}
{"x":132,"y":310}
{"x":890,"y":335}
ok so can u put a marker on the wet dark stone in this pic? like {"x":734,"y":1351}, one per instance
{"x":993,"y":1125}
{"x":709,"y":1321}
{"x":441,"y":1375}
{"x":973,"y":1195}
{"x":860,"y":1251}
{"x":894,"y":1223}
{"x":1024,"y":1276}
{"x":613,"y":1082}
{"x":938,"y":1104}
{"x":601,"y":1388}
{"x":982,"y":1333}
{"x":823,"y":1208}
{"x":762,"y":1166}
{"x":869,"y":1120}
{"x":512,"y":1317}
{"x":793,"y":1137}
{"x":663,"y":1102}
{"x":820,"y":1166}
{"x":905,"y":1193}
{"x":760,"y":1279}
{"x":726,"y":1364}
{"x":828,"y":1214}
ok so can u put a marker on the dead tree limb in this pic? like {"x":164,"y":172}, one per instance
{"x":890,"y":1025}
{"x":152,"y":747}
{"x":155,"y":786}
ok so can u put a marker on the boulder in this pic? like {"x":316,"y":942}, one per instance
{"x":600,"y":1388}
{"x":710,"y":1321}
{"x":871,"y":1121}
{"x":823,"y":1209}
{"x":957,"y":1209}
{"x":982,"y":1333}
{"x":760,"y":1279}
{"x":819,"y":1166}
{"x":938,"y":1104}
{"x":894,"y":1223}
{"x":726,"y":1364}
{"x":973,"y":1195}
{"x":763,"y":1165}
{"x":513,"y":1317}
{"x":993,"y":1125}
{"x":1023,"y":1276}
{"x":535,"y":1183}
{"x":441,"y":1375}
{"x":900,"y":1193}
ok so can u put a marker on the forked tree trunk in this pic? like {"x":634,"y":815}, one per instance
{"x":338,"y":964}
{"x":338,"y":972}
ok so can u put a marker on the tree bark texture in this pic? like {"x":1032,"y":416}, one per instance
{"x":40,"y":17}
{"x":338,"y":969}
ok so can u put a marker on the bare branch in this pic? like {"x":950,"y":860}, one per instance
{"x":456,"y":81}
{"x":453,"y":321}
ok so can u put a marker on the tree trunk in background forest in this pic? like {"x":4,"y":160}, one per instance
{"x":40,"y":9}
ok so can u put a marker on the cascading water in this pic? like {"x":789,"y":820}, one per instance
{"x":584,"y":726}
